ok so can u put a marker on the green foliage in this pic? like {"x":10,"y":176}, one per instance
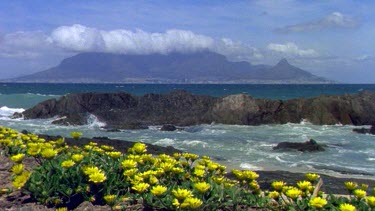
{"x":67,"y":176}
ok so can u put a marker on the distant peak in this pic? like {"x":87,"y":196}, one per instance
{"x":283,"y":62}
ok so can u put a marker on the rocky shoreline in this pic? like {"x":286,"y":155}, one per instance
{"x":19,"y":201}
{"x":125,"y":111}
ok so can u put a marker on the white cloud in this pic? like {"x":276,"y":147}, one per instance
{"x":333,"y":20}
{"x":82,"y":39}
{"x":79,"y":38}
{"x":291,"y":49}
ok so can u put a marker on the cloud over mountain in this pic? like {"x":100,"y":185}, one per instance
{"x":291,"y":49}
{"x":333,"y":20}
{"x":78,"y":38}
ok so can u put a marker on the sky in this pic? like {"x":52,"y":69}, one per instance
{"x":329,"y":38}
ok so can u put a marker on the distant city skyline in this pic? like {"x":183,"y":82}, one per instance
{"x":332,"y":39}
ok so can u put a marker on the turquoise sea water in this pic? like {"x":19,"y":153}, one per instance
{"x":248,"y":147}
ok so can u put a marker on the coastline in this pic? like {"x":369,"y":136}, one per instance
{"x":17,"y":200}
{"x":331,"y":184}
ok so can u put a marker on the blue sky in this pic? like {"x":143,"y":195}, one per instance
{"x":333,"y":39}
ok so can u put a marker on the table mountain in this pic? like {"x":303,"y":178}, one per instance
{"x":199,"y":67}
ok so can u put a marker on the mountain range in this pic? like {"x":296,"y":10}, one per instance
{"x":199,"y":67}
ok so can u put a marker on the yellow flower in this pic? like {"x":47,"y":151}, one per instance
{"x":212,"y":166}
{"x":167,"y":167}
{"x":33,"y":149}
{"x":317,"y":202}
{"x":181,"y":194}
{"x":153,"y":180}
{"x":359,"y":193}
{"x":19,"y":181}
{"x":254,"y":185}
{"x":217,"y":180}
{"x":293,"y":193}
{"x":93,"y":143}
{"x":97,"y":177}
{"x":76,"y":135}
{"x":273,"y":194}
{"x":109,"y":199}
{"x":18,"y":157}
{"x":176,"y":203}
{"x":249,"y":175}
{"x":90,"y":170}
{"x":176,"y":155}
{"x":114,"y":155}
{"x":364,"y":187}
{"x":177,"y":170}
{"x":77,"y":157}
{"x":199,"y":172}
{"x":138,"y":148}
{"x":130,"y":172}
{"x":190,"y":156}
{"x":141,"y":187}
{"x":311,"y":177}
{"x":67,"y":163}
{"x":17,"y":169}
{"x":61,"y":209}
{"x":129,"y":164}
{"x":351,"y":185}
{"x":278,"y":185}
{"x":158,"y":190}
{"x":370,"y":201}
{"x":48,"y":153}
{"x":303,"y":185}
{"x":4,"y":190}
{"x":107,"y":148}
{"x":238,"y":174}
{"x":193,"y":202}
{"x":201,"y":187}
{"x":346,"y":207}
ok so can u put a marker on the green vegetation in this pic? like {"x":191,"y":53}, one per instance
{"x":68,"y":175}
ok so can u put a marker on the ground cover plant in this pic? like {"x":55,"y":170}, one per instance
{"x":68,"y":175}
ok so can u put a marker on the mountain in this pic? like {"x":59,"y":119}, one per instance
{"x":200,"y":67}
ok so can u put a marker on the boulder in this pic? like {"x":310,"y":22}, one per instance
{"x":365,"y":130}
{"x":168,"y":128}
{"x":308,"y":146}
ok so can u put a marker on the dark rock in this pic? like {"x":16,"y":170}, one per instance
{"x":308,"y":146}
{"x":180,"y":108}
{"x":168,"y":128}
{"x":365,"y":130}
{"x":113,"y":130}
{"x":17,"y":115}
{"x":361,"y":130}
{"x":25,"y":132}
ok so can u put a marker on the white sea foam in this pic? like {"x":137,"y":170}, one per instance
{"x":250,"y":166}
{"x":194,"y":143}
{"x":44,"y":95}
{"x":165,"y":142}
{"x":94,"y":122}
{"x":8,"y":112}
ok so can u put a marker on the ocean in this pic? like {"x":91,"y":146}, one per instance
{"x":348,"y":154}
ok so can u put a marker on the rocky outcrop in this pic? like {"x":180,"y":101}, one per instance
{"x":125,"y":111}
{"x":168,"y":128}
{"x":308,"y":146}
{"x":365,"y":130}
